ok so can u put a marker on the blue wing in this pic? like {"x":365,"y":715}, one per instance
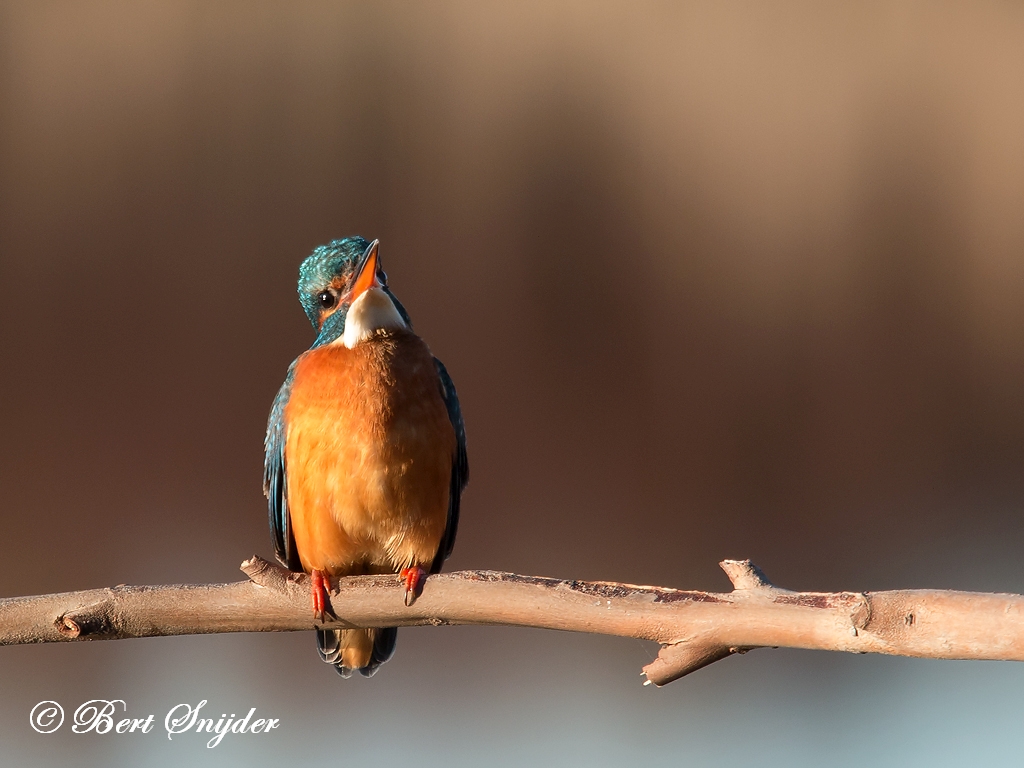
{"x":460,"y":466}
{"x":274,"y":479}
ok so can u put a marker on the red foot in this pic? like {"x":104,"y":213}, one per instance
{"x":413,"y":578}
{"x":318,"y":585}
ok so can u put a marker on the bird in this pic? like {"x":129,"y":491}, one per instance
{"x":365,"y":449}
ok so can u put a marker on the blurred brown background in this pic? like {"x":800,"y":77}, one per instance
{"x":714,"y":280}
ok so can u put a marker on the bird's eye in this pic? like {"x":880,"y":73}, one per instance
{"x":326,"y":299}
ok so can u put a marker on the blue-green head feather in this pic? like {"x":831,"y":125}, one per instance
{"x":324,"y":279}
{"x":331,"y":263}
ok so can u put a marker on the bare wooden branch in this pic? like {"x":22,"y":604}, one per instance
{"x":694,"y":628}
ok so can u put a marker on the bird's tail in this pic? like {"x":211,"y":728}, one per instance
{"x":356,"y":650}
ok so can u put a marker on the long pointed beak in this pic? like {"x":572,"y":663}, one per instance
{"x":366,"y":273}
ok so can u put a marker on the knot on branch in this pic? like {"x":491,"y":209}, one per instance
{"x":266,"y":574}
{"x":67,"y":626}
{"x":91,"y":622}
{"x":745,"y":575}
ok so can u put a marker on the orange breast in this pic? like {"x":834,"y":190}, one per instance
{"x":369,"y":450}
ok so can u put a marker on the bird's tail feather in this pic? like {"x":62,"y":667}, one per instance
{"x":356,"y":650}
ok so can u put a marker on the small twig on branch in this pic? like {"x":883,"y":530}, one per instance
{"x":694,"y":628}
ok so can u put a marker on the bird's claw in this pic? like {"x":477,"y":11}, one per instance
{"x":412,"y":577}
{"x":318,"y":584}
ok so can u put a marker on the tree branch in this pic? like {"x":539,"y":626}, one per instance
{"x":694,"y":628}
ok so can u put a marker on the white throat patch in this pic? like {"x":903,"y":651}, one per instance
{"x":371,"y":312}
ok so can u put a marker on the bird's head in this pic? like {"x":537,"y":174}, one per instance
{"x":345,"y":293}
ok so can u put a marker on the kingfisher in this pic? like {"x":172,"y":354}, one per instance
{"x":365,"y":448}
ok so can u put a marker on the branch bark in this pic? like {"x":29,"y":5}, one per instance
{"x":694,"y":628}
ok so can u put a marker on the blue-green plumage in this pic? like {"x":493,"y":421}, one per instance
{"x":274,"y":478}
{"x":325,"y":277}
